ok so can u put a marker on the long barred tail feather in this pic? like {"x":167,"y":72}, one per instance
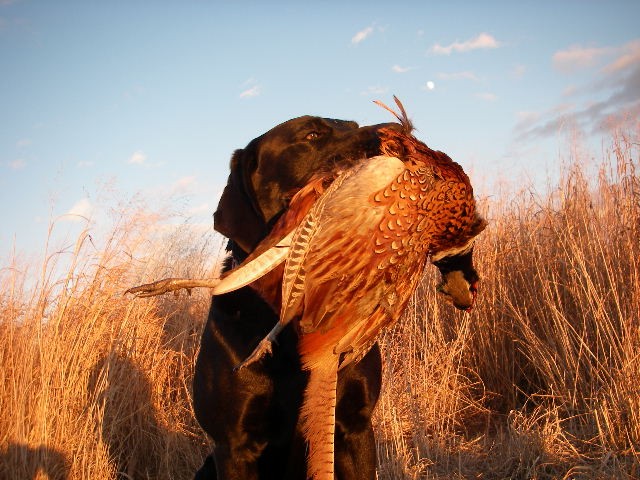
{"x":318,"y":417}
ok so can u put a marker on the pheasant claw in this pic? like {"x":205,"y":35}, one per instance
{"x":263,"y":348}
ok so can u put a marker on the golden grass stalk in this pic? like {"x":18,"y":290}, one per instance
{"x":542,"y":380}
{"x":93,"y":383}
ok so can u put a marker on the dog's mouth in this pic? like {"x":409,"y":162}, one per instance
{"x":374,"y":142}
{"x":374,"y":146}
{"x":337,"y":164}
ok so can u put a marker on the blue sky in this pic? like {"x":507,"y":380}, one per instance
{"x":152,"y":98}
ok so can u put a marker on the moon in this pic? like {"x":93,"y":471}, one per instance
{"x":430,"y":85}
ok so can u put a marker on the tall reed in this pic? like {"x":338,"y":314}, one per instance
{"x":95,"y":384}
{"x":542,"y":379}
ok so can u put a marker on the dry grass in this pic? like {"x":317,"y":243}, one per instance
{"x":541,"y":381}
{"x":94,"y":384}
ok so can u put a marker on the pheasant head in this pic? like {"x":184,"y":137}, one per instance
{"x":446,"y":198}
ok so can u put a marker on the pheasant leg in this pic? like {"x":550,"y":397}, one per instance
{"x":170,"y":285}
{"x":264,"y":347}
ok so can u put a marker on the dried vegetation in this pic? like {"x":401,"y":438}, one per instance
{"x":541,"y":381}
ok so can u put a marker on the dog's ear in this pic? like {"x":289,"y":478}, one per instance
{"x":237,"y":216}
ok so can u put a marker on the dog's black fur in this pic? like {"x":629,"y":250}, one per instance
{"x":252,"y":414}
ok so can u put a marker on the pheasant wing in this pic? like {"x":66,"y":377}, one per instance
{"x":341,"y":279}
{"x":274,"y":249}
{"x":304,"y":236}
{"x":255,"y":268}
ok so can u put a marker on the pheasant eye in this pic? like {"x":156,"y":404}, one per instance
{"x":312,"y":136}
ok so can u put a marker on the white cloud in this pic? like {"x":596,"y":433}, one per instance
{"x":199,"y":228}
{"x":487,"y":97}
{"x":17,"y":164}
{"x":577,"y":57}
{"x":466,"y":75}
{"x":85,"y":164}
{"x":628,"y":55}
{"x":251,"y":92}
{"x":183,"y":185}
{"x":199,"y":210}
{"x":375,"y":90}
{"x":361,"y":35}
{"x":482,"y":41}
{"x":399,"y":69}
{"x":81,"y":209}
{"x":526,"y":118}
{"x":609,"y":99}
{"x":23,"y":142}
{"x":531,"y":125}
{"x":138,"y":158}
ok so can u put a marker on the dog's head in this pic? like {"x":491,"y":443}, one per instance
{"x":273,"y":167}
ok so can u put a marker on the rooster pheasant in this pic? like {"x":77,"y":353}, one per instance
{"x":354,"y":246}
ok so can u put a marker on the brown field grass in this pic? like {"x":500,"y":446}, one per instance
{"x":540,"y":381}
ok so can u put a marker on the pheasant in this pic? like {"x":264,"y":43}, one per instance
{"x":354,"y":245}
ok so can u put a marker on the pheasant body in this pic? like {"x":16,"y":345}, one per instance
{"x":354,"y":255}
{"x":376,"y":233}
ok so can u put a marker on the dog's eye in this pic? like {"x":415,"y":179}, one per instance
{"x":312,"y":136}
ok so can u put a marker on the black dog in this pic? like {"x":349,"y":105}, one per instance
{"x":252,"y":414}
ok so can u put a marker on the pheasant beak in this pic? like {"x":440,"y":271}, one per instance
{"x":473,"y":288}
{"x":458,"y":290}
